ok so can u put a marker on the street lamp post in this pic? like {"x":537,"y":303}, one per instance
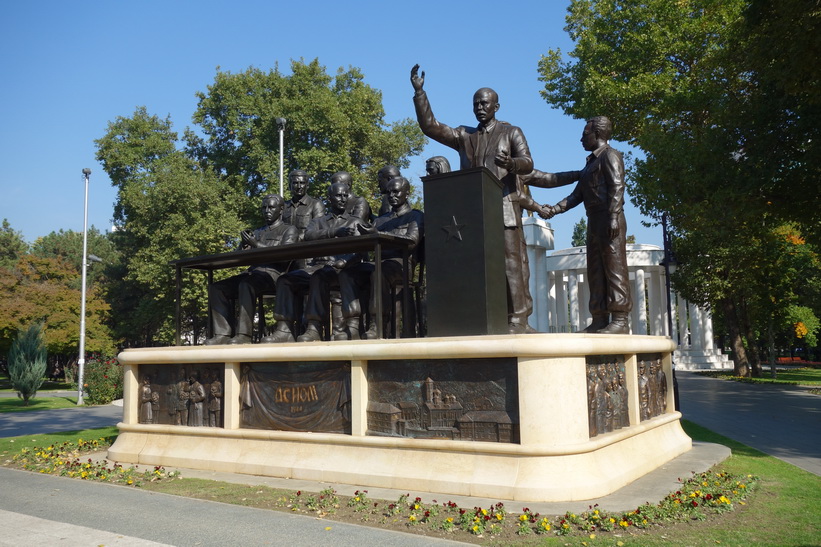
{"x":281,"y":125}
{"x":81,"y":360}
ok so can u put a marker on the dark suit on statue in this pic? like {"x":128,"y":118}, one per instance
{"x":478,"y":147}
{"x":601,"y":189}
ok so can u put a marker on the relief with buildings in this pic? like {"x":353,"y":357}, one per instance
{"x":458,"y":399}
{"x":309,"y":396}
{"x":190,"y":395}
{"x":607,"y":396}
{"x":652,"y":386}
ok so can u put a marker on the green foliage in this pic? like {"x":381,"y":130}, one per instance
{"x":579,"y":238}
{"x":68,"y":245}
{"x":803,"y":322}
{"x":726,"y":136}
{"x":333,"y":124}
{"x":12,"y":245}
{"x":169,"y":208}
{"x":102,"y":380}
{"x":27,"y":362}
{"x":48,"y":289}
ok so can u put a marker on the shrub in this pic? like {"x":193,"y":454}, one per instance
{"x":27,"y":362}
{"x":103,"y":380}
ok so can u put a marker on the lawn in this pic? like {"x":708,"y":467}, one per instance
{"x":804,"y":376}
{"x":782,"y":511}
{"x":41,"y":401}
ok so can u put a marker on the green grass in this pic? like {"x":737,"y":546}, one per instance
{"x":13,"y":404}
{"x":9,"y":446}
{"x":783,"y":511}
{"x":808,"y":376}
{"x":48,"y":385}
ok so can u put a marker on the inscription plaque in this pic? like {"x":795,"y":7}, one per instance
{"x":296,"y":396}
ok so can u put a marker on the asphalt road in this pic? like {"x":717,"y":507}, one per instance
{"x":782,"y":422}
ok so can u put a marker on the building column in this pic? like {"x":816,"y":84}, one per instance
{"x":561,"y":302}
{"x":539,"y":239}
{"x":640,"y":304}
{"x":683,"y":328}
{"x":573,"y":299}
{"x":657,"y":302}
{"x":695,"y":328}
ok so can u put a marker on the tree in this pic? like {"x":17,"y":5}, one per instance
{"x":68,"y":245}
{"x":12,"y":245}
{"x":677,"y":81}
{"x":334,"y":124}
{"x":168,"y":207}
{"x":47,"y":290}
{"x":27,"y":362}
{"x":579,"y":238}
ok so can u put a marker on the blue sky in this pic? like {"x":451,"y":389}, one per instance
{"x":71,"y":67}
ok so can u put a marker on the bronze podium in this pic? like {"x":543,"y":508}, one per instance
{"x":464,"y":254}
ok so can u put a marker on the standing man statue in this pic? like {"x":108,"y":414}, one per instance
{"x":601,"y":189}
{"x":254,"y":281}
{"x":301,"y":208}
{"x":501,"y":148}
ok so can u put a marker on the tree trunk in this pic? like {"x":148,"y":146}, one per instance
{"x":771,"y":345}
{"x":752,"y":347}
{"x":741,"y":366}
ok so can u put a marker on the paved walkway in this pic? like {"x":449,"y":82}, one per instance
{"x":782,"y":422}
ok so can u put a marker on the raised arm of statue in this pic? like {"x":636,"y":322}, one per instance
{"x":429,"y":125}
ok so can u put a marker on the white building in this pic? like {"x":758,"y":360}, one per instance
{"x":560,"y":294}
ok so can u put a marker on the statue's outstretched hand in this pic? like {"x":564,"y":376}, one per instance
{"x":416,"y":80}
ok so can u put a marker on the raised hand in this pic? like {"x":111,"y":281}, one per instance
{"x":416,"y":80}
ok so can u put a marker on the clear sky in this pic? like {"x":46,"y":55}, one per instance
{"x":71,"y":67}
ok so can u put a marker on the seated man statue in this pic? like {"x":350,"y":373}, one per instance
{"x":357,"y":206}
{"x":256,"y":280}
{"x":383,"y":177}
{"x":401,"y":221}
{"x":318,"y":275}
{"x":301,"y":208}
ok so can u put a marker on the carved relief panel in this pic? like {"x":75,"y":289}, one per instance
{"x":461,"y":399}
{"x":607,"y":395}
{"x":190,"y":395}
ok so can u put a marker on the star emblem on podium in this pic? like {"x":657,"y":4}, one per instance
{"x":453,"y":230}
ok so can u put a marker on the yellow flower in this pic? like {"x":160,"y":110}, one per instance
{"x":412,"y":518}
{"x":484,"y":511}
{"x":129,"y":481}
{"x":449,"y":520}
{"x":523,"y":518}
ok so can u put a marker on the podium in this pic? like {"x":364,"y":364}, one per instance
{"x":464,"y":254}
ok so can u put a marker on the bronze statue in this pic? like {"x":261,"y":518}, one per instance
{"x":401,"y":221}
{"x":601,"y":189}
{"x":196,"y":405}
{"x":383,"y":177}
{"x":437,"y":165}
{"x":254,"y":281}
{"x":318,"y":276}
{"x":301,"y":208}
{"x":501,"y":148}
{"x":146,"y":415}
{"x":356,"y":206}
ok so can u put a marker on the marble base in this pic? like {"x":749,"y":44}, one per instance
{"x":554,"y":459}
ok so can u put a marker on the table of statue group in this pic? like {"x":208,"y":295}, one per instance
{"x":373,"y":243}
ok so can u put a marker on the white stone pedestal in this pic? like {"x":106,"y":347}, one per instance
{"x":554,"y":460}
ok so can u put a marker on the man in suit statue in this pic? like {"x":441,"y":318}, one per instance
{"x":502,"y":149}
{"x":601,"y":189}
